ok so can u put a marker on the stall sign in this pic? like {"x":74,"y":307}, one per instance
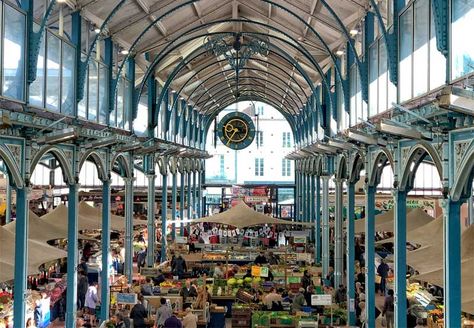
{"x":294,"y":280}
{"x":323,"y":299}
{"x":256,"y":271}
{"x":303,"y":233}
{"x":149,"y":272}
{"x":303,"y":257}
{"x":299,"y":240}
{"x":126,"y":298}
{"x":181,"y":240}
{"x":264,"y":272}
{"x":256,"y":199}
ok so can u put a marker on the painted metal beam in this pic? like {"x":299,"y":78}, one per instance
{"x":350,"y":252}
{"x":370,"y":254}
{"x":400,"y":250}
{"x":338,"y":235}
{"x":72,"y":251}
{"x":452,"y":263}
{"x":34,"y":38}
{"x":21,"y":258}
{"x":129,"y":200}
{"x":83,"y":65}
{"x":325,"y":225}
{"x":104,"y":275}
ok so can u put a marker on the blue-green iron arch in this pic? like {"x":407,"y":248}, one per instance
{"x":168,"y":82}
{"x":223,"y":96}
{"x":220,"y":72}
{"x":197,"y":102}
{"x":296,"y":45}
{"x":183,"y":63}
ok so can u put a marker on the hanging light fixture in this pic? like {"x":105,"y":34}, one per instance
{"x":236,"y":52}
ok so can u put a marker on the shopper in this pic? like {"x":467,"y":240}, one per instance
{"x":299,"y":301}
{"x":91,"y":301}
{"x":218,"y":271}
{"x":173,"y":322}
{"x":160,"y":277}
{"x":232,"y":272}
{"x":80,"y":323}
{"x":187,"y":292}
{"x":82,"y":287}
{"x":388,"y":308}
{"x":340,"y":294}
{"x":361,"y":276}
{"x":141,"y":257}
{"x":273,"y":300}
{"x":330,"y":277}
{"x":273,"y":259}
{"x":147,"y":288}
{"x":163,"y":313}
{"x":382,"y":271}
{"x":190,"y":320}
{"x":30,"y":323}
{"x":139,"y":314}
{"x":119,"y":321}
{"x":306,"y":279}
{"x":261,"y":259}
{"x":179,"y":266}
{"x":363,"y":315}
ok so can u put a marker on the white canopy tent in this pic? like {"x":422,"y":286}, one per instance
{"x":385,"y":221}
{"x":242,"y":216}
{"x":89,"y":218}
{"x":38,"y":253}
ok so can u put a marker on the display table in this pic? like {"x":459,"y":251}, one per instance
{"x":154,"y":302}
{"x":225,"y":300}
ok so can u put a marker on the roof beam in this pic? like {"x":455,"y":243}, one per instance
{"x":137,"y":18}
{"x":159,"y":26}
{"x":310,"y":18}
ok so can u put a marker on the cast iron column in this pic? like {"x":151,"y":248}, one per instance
{"x":370,"y":255}
{"x":72,"y":246}
{"x":182,"y":202}
{"x":400,"y":250}
{"x":317,"y":222}
{"x":325,"y":225}
{"x":452,"y":263}
{"x":350,"y":251}
{"x":21,"y":258}
{"x":150,"y":256}
{"x":338,"y":235}
{"x":128,"y":267}
{"x":104,"y":275}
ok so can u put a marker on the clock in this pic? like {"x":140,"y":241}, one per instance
{"x":236,"y":130}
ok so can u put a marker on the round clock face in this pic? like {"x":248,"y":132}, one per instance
{"x":236,"y":130}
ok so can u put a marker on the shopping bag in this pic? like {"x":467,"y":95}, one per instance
{"x":378,"y":279}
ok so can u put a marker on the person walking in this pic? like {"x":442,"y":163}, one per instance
{"x":190,"y":320}
{"x":139,"y":314}
{"x":91,"y":301}
{"x":382,"y":271}
{"x":389,"y":308}
{"x":82,"y":287}
{"x":163,"y":313}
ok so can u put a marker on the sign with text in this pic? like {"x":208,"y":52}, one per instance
{"x":323,"y":299}
{"x":126,"y":298}
{"x":181,"y":240}
{"x":256,"y":271}
{"x":264,"y":272}
{"x":149,"y":272}
{"x":299,"y":240}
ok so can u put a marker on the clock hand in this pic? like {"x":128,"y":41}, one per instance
{"x":232,"y":136}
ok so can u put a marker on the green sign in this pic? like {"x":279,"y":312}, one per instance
{"x":294,"y":280}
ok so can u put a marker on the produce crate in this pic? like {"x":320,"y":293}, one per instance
{"x":241,"y":317}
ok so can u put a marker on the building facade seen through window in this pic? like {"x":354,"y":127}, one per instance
{"x":259,"y":169}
